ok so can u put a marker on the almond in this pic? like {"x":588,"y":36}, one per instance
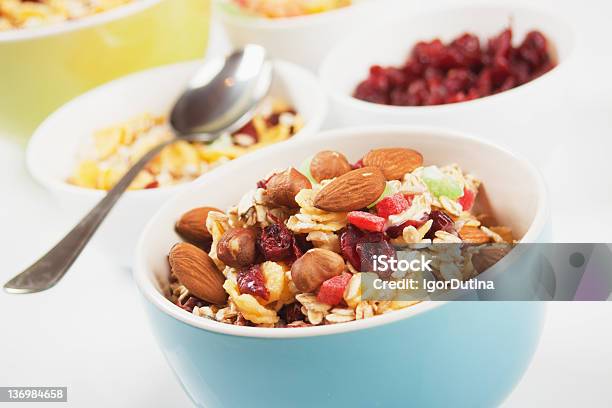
{"x":352,"y":191}
{"x":473,"y":235}
{"x":238,"y":247}
{"x":489,"y":256}
{"x":192,"y":225}
{"x":197,"y":272}
{"x":282,"y":188}
{"x":328,"y":164}
{"x":394,"y":162}
{"x":315,"y":267}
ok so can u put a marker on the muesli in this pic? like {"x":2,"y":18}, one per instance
{"x":294,"y":250}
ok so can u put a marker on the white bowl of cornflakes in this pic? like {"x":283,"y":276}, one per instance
{"x":83,"y":148}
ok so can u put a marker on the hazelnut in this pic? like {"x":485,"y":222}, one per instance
{"x":328,"y":164}
{"x":238,"y":247}
{"x":315,"y":267}
{"x":282,"y":188}
{"x":192,"y":225}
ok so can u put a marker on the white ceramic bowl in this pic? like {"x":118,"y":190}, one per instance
{"x":52,"y":151}
{"x":304,"y":40}
{"x":501,"y":117}
{"x":210,"y":358}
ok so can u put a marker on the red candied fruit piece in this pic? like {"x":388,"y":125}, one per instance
{"x":153,"y":184}
{"x":331,"y":291}
{"x":467,"y":200}
{"x":358,"y":164}
{"x":251,"y":281}
{"x":366,"y":221}
{"x":277,"y":243}
{"x":392,"y":205}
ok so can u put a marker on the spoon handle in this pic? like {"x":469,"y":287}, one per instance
{"x":49,"y":269}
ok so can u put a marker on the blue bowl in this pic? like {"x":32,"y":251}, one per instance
{"x":461,"y":354}
{"x":434,"y":354}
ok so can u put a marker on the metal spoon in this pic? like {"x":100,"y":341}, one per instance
{"x":221,"y":97}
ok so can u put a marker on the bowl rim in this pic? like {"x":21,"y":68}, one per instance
{"x":41,"y":135}
{"x":143,"y":279}
{"x":347,"y":99}
{"x":62,"y":27}
{"x":273,"y":24}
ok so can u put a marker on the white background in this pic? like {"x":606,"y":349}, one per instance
{"x":89,"y":332}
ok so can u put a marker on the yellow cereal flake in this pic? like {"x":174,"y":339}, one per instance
{"x":274,"y":276}
{"x":107,"y":141}
{"x":249,"y":307}
{"x":86,"y":174}
{"x":179,"y":155}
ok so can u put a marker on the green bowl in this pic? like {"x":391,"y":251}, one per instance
{"x":42,"y":68}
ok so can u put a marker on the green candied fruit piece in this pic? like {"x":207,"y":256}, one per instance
{"x":440,"y":184}
{"x":388,"y":191}
{"x":305,"y":170}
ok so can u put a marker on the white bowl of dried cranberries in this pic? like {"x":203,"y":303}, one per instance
{"x":476,"y":68}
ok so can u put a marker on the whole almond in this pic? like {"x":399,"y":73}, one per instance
{"x":197,"y":272}
{"x":282,"y":188}
{"x":394,"y":162}
{"x":352,"y":191}
{"x":315,"y":267}
{"x":328,"y":164}
{"x":473,"y":235}
{"x":489,"y":256}
{"x":192,"y":225}
{"x":238,"y":247}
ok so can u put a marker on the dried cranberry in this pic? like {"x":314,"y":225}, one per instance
{"x":277,"y":243}
{"x":251,"y":281}
{"x":534,"y":49}
{"x":441,"y":222}
{"x":468,"y":46}
{"x":396,"y":231}
{"x":438,"y":73}
{"x":248,"y":129}
{"x":358,"y":164}
{"x":367,"y":251}
{"x":354,"y":236}
{"x":292,"y":313}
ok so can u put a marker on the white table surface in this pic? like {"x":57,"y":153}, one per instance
{"x":89,"y":333}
